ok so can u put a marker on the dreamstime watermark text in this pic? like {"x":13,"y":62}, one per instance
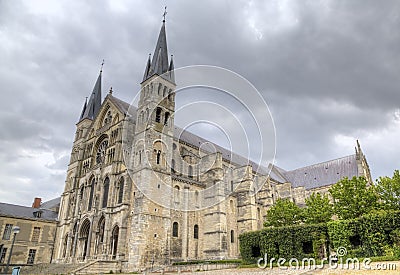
{"x":338,"y":261}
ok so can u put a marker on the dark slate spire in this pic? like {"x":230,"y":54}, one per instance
{"x":83,"y":109}
{"x":159,"y":62}
{"x":171,"y":69}
{"x":91,"y":109}
{"x":147,"y":70}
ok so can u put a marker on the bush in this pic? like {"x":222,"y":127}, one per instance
{"x":375,"y":234}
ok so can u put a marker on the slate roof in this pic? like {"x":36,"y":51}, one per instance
{"x":323,"y":174}
{"x":190,"y":138}
{"x":19,"y":211}
{"x":54,"y":203}
{"x":122,"y":105}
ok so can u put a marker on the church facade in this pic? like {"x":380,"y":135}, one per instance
{"x":206,"y":199}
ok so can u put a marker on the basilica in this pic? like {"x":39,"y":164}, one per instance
{"x":140,"y":191}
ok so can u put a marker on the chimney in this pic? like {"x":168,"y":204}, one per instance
{"x":36,"y":203}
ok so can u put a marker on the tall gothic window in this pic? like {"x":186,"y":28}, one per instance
{"x":105,"y":192}
{"x":196,"y":231}
{"x":92,"y":188}
{"x":158,"y":114}
{"x":173,"y":166}
{"x":166,"y":118}
{"x":121,"y":190}
{"x":175,"y":229}
{"x":190,"y":171}
{"x":232,"y":236}
{"x":158,"y":157}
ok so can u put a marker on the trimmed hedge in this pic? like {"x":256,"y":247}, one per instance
{"x":374,"y":234}
{"x":368,"y":236}
{"x":299,"y":241}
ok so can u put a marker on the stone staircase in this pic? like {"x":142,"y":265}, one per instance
{"x":98,"y":267}
{"x":52,"y":269}
{"x":93,"y":267}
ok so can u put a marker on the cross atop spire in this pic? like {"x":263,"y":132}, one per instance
{"x":165,"y":13}
{"x":101,"y":69}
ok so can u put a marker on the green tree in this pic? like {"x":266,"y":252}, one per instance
{"x":389,"y":191}
{"x":319,"y":209}
{"x":284,"y":213}
{"x":353,"y":198}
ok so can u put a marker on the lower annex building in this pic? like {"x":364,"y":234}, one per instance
{"x":105,"y":216}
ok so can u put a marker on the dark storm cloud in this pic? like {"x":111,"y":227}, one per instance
{"x":328,"y":69}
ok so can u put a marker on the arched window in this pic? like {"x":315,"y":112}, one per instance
{"x":190,"y":171}
{"x":114,"y":241}
{"x":158,"y":157}
{"x":196,"y":231}
{"x":101,"y":229}
{"x":175,"y":229}
{"x":159,"y":89}
{"x":92,"y":189}
{"x":176,"y":193}
{"x":158,"y":114}
{"x":232,"y":236}
{"x":105,"y":192}
{"x":196,"y":198}
{"x":173,"y":166}
{"x":166,"y":118}
{"x":121,"y":190}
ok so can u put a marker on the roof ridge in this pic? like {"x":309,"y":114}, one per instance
{"x":320,"y":163}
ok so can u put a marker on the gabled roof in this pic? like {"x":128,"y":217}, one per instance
{"x":190,"y":138}
{"x":19,"y":211}
{"x":277,"y":174}
{"x":323,"y":174}
{"x":122,"y":105}
{"x":51,"y":204}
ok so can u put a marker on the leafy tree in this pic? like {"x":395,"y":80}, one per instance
{"x":389,"y":191}
{"x":353,"y":197}
{"x":284,"y":213}
{"x":319,"y":209}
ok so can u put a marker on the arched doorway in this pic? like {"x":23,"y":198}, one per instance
{"x":65,"y":244}
{"x":73,"y":240}
{"x":100,"y":236}
{"x":114,"y":241}
{"x":84,"y":238}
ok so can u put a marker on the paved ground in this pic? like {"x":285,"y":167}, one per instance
{"x":377,"y":268}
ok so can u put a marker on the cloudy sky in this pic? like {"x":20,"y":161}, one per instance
{"x":329,"y":71}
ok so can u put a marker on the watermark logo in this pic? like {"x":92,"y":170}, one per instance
{"x":337,"y":260}
{"x":220,"y":105}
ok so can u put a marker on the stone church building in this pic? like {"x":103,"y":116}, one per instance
{"x":161,"y":198}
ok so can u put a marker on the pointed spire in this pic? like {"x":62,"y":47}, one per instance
{"x":160,"y":56}
{"x":92,"y":108}
{"x":159,"y":60}
{"x":148,"y":67}
{"x":83,"y":109}
{"x":171,"y":69}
